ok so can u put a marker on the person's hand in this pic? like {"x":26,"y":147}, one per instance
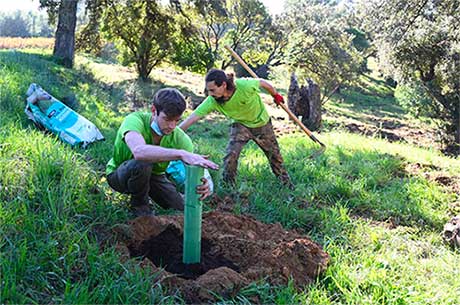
{"x":199,"y":160}
{"x":278,"y":98}
{"x":203,"y":189}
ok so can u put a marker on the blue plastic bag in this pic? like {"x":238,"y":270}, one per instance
{"x":176,"y":171}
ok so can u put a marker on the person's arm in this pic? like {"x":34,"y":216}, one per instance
{"x":154,"y":153}
{"x":189,"y":121}
{"x":272,"y":91}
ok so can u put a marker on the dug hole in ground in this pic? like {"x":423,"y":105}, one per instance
{"x":235,"y":251}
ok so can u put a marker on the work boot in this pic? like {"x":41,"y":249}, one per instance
{"x":142,"y":210}
{"x":140,"y":206}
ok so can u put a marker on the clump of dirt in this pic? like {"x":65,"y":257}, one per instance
{"x":235,"y":251}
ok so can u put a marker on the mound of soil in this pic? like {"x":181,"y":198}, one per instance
{"x":235,"y":251}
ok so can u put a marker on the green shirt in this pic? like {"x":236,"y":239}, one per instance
{"x":140,"y":122}
{"x":245,"y":106}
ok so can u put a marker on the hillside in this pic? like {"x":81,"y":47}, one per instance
{"x":375,"y":202}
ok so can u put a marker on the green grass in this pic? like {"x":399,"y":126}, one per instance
{"x":379,"y":223}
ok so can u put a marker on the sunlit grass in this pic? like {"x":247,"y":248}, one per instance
{"x":379,"y":223}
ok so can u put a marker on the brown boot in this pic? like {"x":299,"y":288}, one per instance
{"x":142,"y":210}
{"x":140,"y":206}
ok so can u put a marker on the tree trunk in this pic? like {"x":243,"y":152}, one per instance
{"x":143,"y":67}
{"x":314,"y":98}
{"x":64,"y":46}
{"x":293,"y":95}
{"x":449,"y":115}
{"x":457,"y":126}
{"x":305,"y":102}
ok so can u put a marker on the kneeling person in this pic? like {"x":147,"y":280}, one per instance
{"x":144,"y":145}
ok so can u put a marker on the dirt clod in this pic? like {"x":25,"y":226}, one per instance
{"x":235,"y":250}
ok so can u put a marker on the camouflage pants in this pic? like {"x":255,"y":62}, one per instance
{"x":265,"y":138}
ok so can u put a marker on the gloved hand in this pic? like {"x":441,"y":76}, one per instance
{"x":278,"y":98}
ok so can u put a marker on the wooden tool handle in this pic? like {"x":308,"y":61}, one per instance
{"x":289,"y":112}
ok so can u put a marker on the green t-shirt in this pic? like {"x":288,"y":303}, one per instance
{"x":140,"y":122}
{"x":245,"y":106}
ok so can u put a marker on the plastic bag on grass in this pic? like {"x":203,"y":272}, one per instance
{"x":47,"y":112}
{"x":176,"y":171}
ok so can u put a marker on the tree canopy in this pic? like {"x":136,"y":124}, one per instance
{"x":142,"y":29}
{"x":419,"y":42}
{"x":320,"y":43}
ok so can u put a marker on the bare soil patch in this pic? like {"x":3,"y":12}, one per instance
{"x":235,"y":251}
{"x":395,"y":131}
{"x":435,"y":174}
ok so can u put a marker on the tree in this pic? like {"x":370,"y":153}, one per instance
{"x":206,"y":26}
{"x":142,"y":29}
{"x":200,"y":27}
{"x":43,"y":27}
{"x":38,"y":24}
{"x":64,"y":46}
{"x":203,"y":25}
{"x":320,"y":46}
{"x":249,"y":22}
{"x":267,"y":52}
{"x":418,"y":42}
{"x":14,"y":25}
{"x":66,"y":13}
{"x":89,"y":38}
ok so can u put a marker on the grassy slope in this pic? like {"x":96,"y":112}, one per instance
{"x":379,"y":224}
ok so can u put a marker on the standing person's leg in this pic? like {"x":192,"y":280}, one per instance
{"x":132,"y":177}
{"x":164,"y":193}
{"x":239,"y":136}
{"x":265,"y":137}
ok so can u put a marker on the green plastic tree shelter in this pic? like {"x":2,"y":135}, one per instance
{"x":192,"y":216}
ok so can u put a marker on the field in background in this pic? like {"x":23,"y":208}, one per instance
{"x":24,"y":43}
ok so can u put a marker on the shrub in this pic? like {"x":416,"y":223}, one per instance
{"x":413,"y":98}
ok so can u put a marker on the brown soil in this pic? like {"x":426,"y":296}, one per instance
{"x":435,"y":174}
{"x":282,"y":130}
{"x":394,"y":131}
{"x":235,"y":251}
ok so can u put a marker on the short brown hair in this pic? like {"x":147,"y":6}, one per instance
{"x":170,"y":101}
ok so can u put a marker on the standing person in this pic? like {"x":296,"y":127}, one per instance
{"x":240,"y":100}
{"x":144,"y":145}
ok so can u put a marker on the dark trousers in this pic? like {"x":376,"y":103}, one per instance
{"x":136,"y":178}
{"x":265,"y":138}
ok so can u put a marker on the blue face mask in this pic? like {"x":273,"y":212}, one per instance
{"x":156,"y":128}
